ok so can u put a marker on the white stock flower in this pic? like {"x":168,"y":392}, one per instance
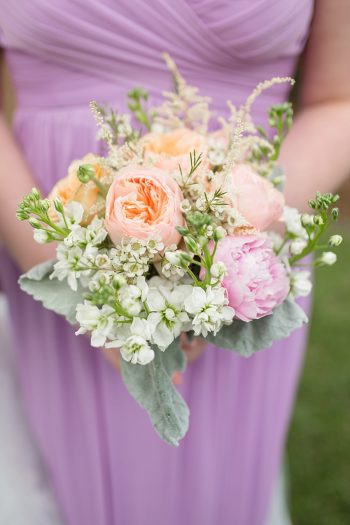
{"x":95,"y":320}
{"x":173,"y":258}
{"x":209,"y":309}
{"x":167,"y":315}
{"x":136,"y":350}
{"x":218,"y":270}
{"x":297,"y":246}
{"x":133,"y":341}
{"x":292,"y":220}
{"x":74,"y":213}
{"x":93,"y":234}
{"x":65,"y":267}
{"x":171,"y":271}
{"x":300,"y":284}
{"x":132,"y":296}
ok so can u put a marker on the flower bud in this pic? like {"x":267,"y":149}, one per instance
{"x":35,"y":194}
{"x":335,"y":240}
{"x":185,"y":206}
{"x":41,"y":236}
{"x":328,"y":258}
{"x":191,"y":244}
{"x":185,"y":260}
{"x":335,"y":213}
{"x":85,"y":172}
{"x":58,"y":205}
{"x":202,"y":241}
{"x":34,"y":223}
{"x":219,"y":233}
{"x":118,"y":281}
{"x":318,"y":220}
{"x":307,"y":219}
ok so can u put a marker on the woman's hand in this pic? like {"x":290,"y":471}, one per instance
{"x":193,"y":349}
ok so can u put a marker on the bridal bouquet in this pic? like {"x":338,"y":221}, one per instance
{"x":171,"y":231}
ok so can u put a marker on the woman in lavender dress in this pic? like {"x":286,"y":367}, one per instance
{"x":106,"y":463}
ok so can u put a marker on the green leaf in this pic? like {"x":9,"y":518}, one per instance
{"x":55,"y":295}
{"x":153,"y":389}
{"x":247,"y":338}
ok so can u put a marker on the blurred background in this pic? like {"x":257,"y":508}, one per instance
{"x":319,"y":438}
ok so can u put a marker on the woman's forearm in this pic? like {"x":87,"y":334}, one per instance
{"x":16,"y":181}
{"x":316,"y":152}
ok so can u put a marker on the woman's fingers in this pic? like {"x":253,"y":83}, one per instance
{"x":193,"y":350}
{"x":113,"y":357}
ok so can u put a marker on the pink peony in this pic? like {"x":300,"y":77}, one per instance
{"x":144,"y":203}
{"x":256,"y":281}
{"x":254,"y":197}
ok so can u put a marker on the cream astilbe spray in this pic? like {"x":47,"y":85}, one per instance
{"x":242,"y":120}
{"x":184,"y":107}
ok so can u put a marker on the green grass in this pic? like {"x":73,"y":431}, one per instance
{"x":319,"y":440}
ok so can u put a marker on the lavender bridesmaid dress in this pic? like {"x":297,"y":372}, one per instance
{"x":107,"y":465}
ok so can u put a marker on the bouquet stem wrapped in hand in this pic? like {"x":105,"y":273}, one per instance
{"x":171,"y":232}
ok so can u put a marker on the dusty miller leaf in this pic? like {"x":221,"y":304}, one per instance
{"x":247,"y":338}
{"x":55,"y":295}
{"x":153,"y":389}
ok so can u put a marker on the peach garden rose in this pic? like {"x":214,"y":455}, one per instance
{"x":144,"y":203}
{"x":70,"y":188}
{"x":168,"y":150}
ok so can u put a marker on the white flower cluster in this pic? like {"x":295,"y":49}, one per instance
{"x":81,"y":256}
{"x":300,"y":283}
{"x":154,"y":313}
